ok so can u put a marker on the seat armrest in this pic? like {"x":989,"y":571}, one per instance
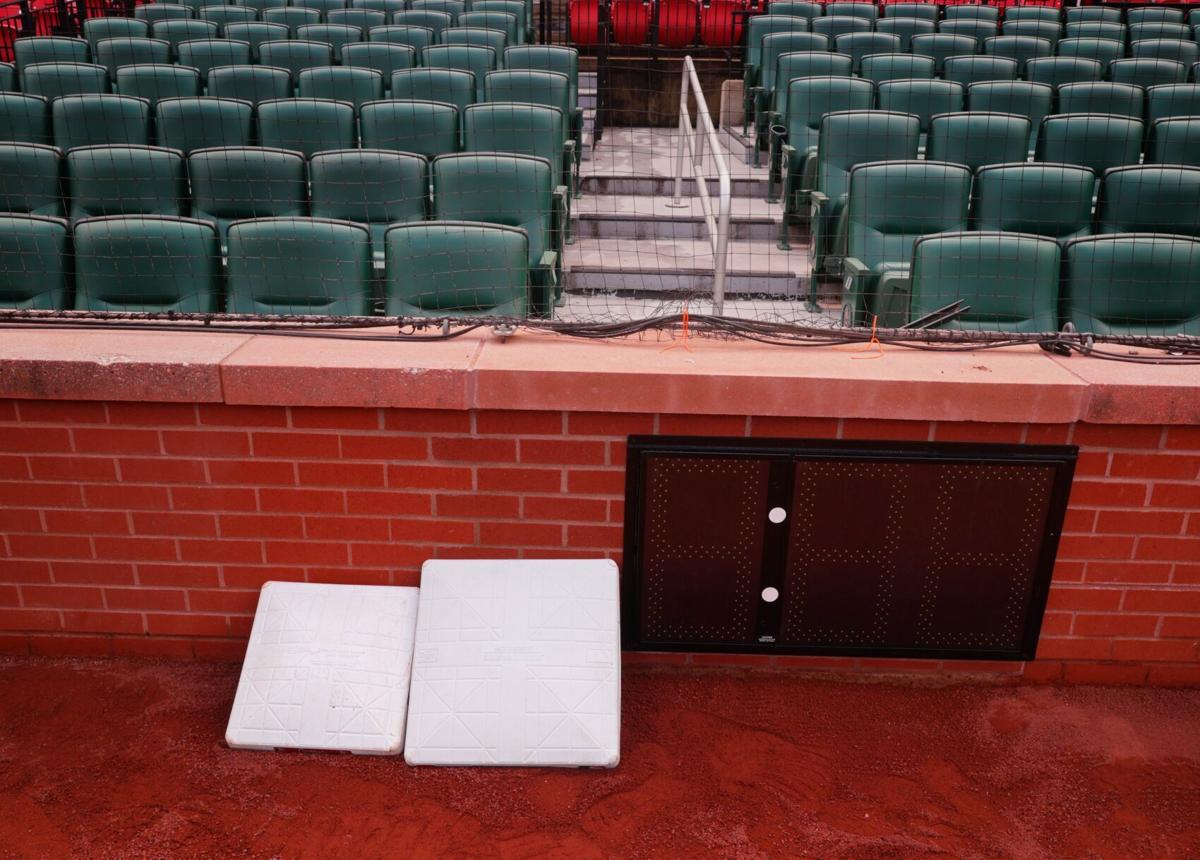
{"x":852,"y":266}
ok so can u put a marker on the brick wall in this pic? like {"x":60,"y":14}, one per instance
{"x":147,"y":529}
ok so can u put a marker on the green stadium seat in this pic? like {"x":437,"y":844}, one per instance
{"x":1112,"y":30}
{"x":1172,"y":100}
{"x":858,"y":45}
{"x":387,"y":7}
{"x":24,"y":118}
{"x":1136,"y":284}
{"x":1057,"y":71}
{"x":146,"y":263}
{"x":1096,"y":141}
{"x":849,"y":138}
{"x":55,"y":80}
{"x":324,"y":6}
{"x":797,"y":9}
{"x":372,"y":187}
{"x":880,"y":68}
{"x":976,"y":139}
{"x":803,"y":64}
{"x":516,"y":8}
{"x":941,"y":46}
{"x":251,"y":84}
{"x":31,"y":180}
{"x":1103,"y":51}
{"x":1150,"y":15}
{"x":1159,"y":31}
{"x":973,"y":68}
{"x":197,"y":5}
{"x":1175,"y":140}
{"x":157,"y":82}
{"x":427,"y":128}
{"x":334,"y":35}
{"x":551,"y":89}
{"x":1020,"y":97}
{"x":34,"y":274}
{"x":774,"y":46}
{"x":299,"y":266}
{"x":841,"y":8}
{"x":496,"y":40}
{"x":457,"y":268}
{"x":511,"y":190}
{"x":758,"y":27}
{"x":229,"y":184}
{"x":921,"y":98}
{"x":840,"y":25}
{"x":1020,"y":48}
{"x":306,"y":125}
{"x":1146,"y":73}
{"x":453,"y":86}
{"x":453,"y":8}
{"x":1006,"y":281}
{"x":417,"y":38}
{"x":176,"y":31}
{"x":552,"y":58}
{"x":1085,"y":14}
{"x":890,"y":206}
{"x":363,"y":19}
{"x":1193,"y":17}
{"x":426,"y":19}
{"x":905,"y":28}
{"x":261,"y":6}
{"x":126,"y":180}
{"x":1049,"y":14}
{"x":510,"y":25}
{"x":1150,"y":199}
{"x":8,"y":78}
{"x":255,"y":34}
{"x":1102,"y":97}
{"x":206,"y":54}
{"x":973,"y":12}
{"x":226,"y":15}
{"x":115,"y":54}
{"x":48,"y":49}
{"x":100,"y":120}
{"x":1174,"y":50}
{"x":292,"y":17}
{"x":972,"y":28}
{"x":1052,"y":200}
{"x":96,"y":30}
{"x":202,"y":123}
{"x":155,"y":12}
{"x":354,"y":86}
{"x":919,"y":11}
{"x":1048,"y":30}
{"x":475,"y":59}
{"x":295,"y":55}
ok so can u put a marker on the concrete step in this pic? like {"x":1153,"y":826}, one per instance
{"x":633,"y":217}
{"x":741,"y":146}
{"x":619,"y":305}
{"x":618,"y":183}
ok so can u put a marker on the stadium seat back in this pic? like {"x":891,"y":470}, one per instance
{"x":1057,"y":71}
{"x":880,"y":68}
{"x":31,"y":180}
{"x":761,"y":26}
{"x":841,"y":25}
{"x":363,"y":19}
{"x":917,"y":11}
{"x":32,"y":50}
{"x":454,"y":86}
{"x":841,"y":8}
{"x":1150,"y":15}
{"x":292,"y":17}
{"x":1172,"y":31}
{"x":371,"y":187}
{"x":510,"y":25}
{"x":797,"y":9}
{"x":295,"y":55}
{"x":971,"y":28}
{"x":921,"y":98}
{"x":776,"y":45}
{"x":354,"y":86}
{"x":1096,"y":141}
{"x":1020,"y":97}
{"x":34,"y":271}
{"x":976,"y":139}
{"x":1102,"y":97}
{"x":1173,"y":50}
{"x":1020,"y":48}
{"x":306,"y":125}
{"x":1051,"y":31}
{"x":428,"y":19}
{"x":201,"y":123}
{"x":859,"y":45}
{"x":1047,"y":14}
{"x":255,"y":34}
{"x":476,"y":59}
{"x":225,"y":14}
{"x":811,"y":98}
{"x":251,"y":84}
{"x":178,"y":30}
{"x":126,"y":180}
{"x":336,"y":36}
{"x":526,"y":129}
{"x":971,"y":11}
{"x":1103,"y":51}
{"x":973,"y":68}
{"x":1175,"y":140}
{"x":54,"y":80}
{"x":1172,"y":100}
{"x":1112,"y":30}
{"x":905,"y":28}
{"x":1052,"y":200}
{"x":412,"y":36}
{"x":157,"y":82}
{"x":1150,"y":199}
{"x":1146,"y":73}
{"x":1093,"y":14}
{"x":941,"y":46}
{"x":100,"y":120}
{"x":155,"y":12}
{"x":97,"y":29}
{"x":229,"y":184}
{"x":381,"y":57}
{"x":203,"y":55}
{"x":427,"y":128}
{"x":115,"y":54}
{"x":24,"y":118}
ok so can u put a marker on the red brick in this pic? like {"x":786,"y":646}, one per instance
{"x":220,"y":415}
{"x":186,"y":625}
{"x":10,"y":595}
{"x":22,"y":570}
{"x":206,"y":443}
{"x":617,"y":453}
{"x":1177,"y":467}
{"x":352,"y":576}
{"x":1092,"y":463}
{"x":161,"y":599}
{"x":794,"y":428}
{"x":301,"y":501}
{"x":346,"y":528}
{"x":87,"y":522}
{"x":432,"y":531}
{"x":599,"y":536}
{"x":21,"y":520}
{"x":70,"y":646}
{"x":122,"y":441}
{"x":1057,"y":623}
{"x":223,"y":600}
{"x":220,"y":550}
{"x":609,"y":424}
{"x":50,"y":546}
{"x":387,"y":503}
{"x":37,"y":440}
{"x":13,"y":620}
{"x":616,"y":510}
{"x":564,"y":509}
{"x":1079,"y":520}
{"x":96,"y":572}
{"x":410,"y":477}
{"x":73,"y":468}
{"x":702,"y":425}
{"x":1118,"y":435}
{"x":1054,"y":648}
{"x":518,"y":423}
{"x":175,"y":525}
{"x":127,"y":497}
{"x":1162,"y":600}
{"x":335,"y":418}
{"x":1105,"y":673}
{"x":341,"y":474}
{"x":254,"y":577}
{"x":520,"y":534}
{"x":1169,"y":549}
{"x":223,"y":650}
{"x":1116,"y":494}
{"x":1174,"y":676}
{"x":1115,"y":624}
{"x":1176,"y":496}
{"x":426,"y":421}
{"x":296,"y":445}
{"x":13,"y":467}
{"x":256,"y":472}
{"x":608,"y":483}
{"x":8,"y":410}
{"x":306,"y":552}
{"x":1095,"y":546}
{"x":1084,"y":598}
{"x":475,"y":450}
{"x":1186,"y":574}
{"x":1047,"y":434}
{"x":1140,"y":522}
{"x":213,"y":499}
{"x":1043,"y":672}
{"x":885,"y":429}
{"x":1158,"y":650}
{"x":388,"y":555}
{"x":62,"y":597}
{"x":135,"y":549}
{"x":1180,"y":627}
{"x":567,"y":451}
{"x":155,"y":647}
{"x":178,"y":574}
{"x":1127,"y":571}
{"x":975,"y":431}
{"x":385,"y":447}
{"x":478,"y":505}
{"x":162,"y":471}
{"x":102,"y":622}
{"x":474,"y":552}
{"x":23,"y":493}
{"x":152,"y":414}
{"x":261,"y":526}
{"x":547,"y":553}
{"x":61,"y":412}
{"x":1184,"y":438}
{"x":1068,"y":571}
{"x":520,"y":480}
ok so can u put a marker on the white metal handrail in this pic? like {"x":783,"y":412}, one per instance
{"x":718,"y":226}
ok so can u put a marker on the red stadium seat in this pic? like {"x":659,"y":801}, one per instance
{"x":584,"y":21}
{"x":9,"y":31}
{"x":677,"y":22}
{"x":719,"y":26}
{"x":630,"y":22}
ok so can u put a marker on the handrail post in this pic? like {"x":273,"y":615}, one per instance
{"x":677,"y":197}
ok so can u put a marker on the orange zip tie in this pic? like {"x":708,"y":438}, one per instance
{"x":684,"y":339}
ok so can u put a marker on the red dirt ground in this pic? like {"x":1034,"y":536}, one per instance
{"x":123,"y":758}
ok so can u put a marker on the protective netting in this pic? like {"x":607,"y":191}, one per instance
{"x":959,"y":173}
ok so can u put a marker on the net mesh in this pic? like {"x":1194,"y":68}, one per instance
{"x":940,"y":174}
